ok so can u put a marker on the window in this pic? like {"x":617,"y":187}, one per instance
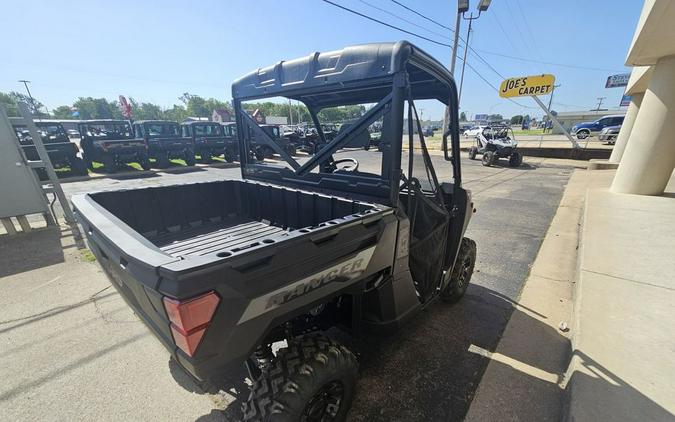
{"x":162,"y":129}
{"x":207,"y":130}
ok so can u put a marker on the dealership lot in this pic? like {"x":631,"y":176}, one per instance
{"x":77,"y":351}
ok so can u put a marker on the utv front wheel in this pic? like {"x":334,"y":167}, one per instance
{"x":516,"y":159}
{"x":488,"y":158}
{"x":461,"y":272}
{"x":472,"y":153}
{"x":313,"y":379}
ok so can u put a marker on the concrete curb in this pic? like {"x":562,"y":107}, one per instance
{"x":525,"y":377}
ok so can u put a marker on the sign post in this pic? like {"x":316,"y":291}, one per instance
{"x":531,"y":86}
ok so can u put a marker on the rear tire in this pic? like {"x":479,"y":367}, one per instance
{"x":189,"y":158}
{"x":516,"y":159}
{"x":144,"y":162}
{"x":583,"y":134}
{"x":206,"y":156}
{"x":163,"y":160}
{"x":473,"y":151}
{"x":461,"y":272}
{"x":78,"y":166}
{"x":291,"y":150}
{"x":260,"y":154}
{"x":230,"y":155}
{"x":488,"y":158}
{"x":312,"y":379}
{"x":109,"y":164}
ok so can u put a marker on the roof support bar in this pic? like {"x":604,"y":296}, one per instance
{"x":362,"y":124}
{"x":261,"y":135}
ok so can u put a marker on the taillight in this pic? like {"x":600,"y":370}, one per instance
{"x":190,"y":318}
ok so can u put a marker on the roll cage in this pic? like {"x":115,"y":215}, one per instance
{"x":386,"y":75}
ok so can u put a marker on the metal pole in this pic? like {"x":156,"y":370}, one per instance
{"x":550,"y":101}
{"x":290,"y":111}
{"x":453,"y":60}
{"x":466,"y":49}
{"x":555,"y":121}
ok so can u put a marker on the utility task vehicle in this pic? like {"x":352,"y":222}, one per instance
{"x":221,"y":271}
{"x":495,"y":142}
{"x":211,"y":140}
{"x":112,"y":143}
{"x":61,"y":151}
{"x":165,"y":141}
{"x":262,"y":150}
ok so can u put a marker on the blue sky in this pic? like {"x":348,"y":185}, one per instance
{"x":103,"y":49}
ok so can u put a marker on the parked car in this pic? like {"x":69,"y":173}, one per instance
{"x":112,"y":143}
{"x":165,"y":141}
{"x":609,"y":134}
{"x":586,"y":129}
{"x":61,"y":151}
{"x":222,"y":271}
{"x":73,"y":134}
{"x":210,"y":140}
{"x":473,"y":131}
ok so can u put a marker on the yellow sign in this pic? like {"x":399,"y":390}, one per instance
{"x":527,"y":86}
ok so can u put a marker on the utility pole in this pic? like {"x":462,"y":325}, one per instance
{"x":466,"y":49}
{"x":32,"y":100}
{"x":290,"y":110}
{"x":462,"y":7}
{"x":600,"y":100}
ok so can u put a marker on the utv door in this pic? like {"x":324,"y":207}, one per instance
{"x":423,"y":201}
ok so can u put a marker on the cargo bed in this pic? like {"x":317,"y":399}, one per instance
{"x":221,"y":219}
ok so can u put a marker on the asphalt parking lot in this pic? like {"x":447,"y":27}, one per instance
{"x":76,"y":352}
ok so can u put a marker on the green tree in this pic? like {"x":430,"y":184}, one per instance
{"x":495,"y":117}
{"x":11,"y":100}
{"x":176,"y":114}
{"x":8,"y":102}
{"x":517,"y":119}
{"x":97,"y":108}
{"x":63,"y":112}
{"x":462,"y":117}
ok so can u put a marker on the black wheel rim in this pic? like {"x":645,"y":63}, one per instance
{"x":464,"y":273}
{"x":325,"y":404}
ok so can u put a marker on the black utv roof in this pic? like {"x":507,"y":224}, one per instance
{"x":199,"y":122}
{"x":156,"y":122}
{"x":372,"y":66}
{"x":100,"y":121}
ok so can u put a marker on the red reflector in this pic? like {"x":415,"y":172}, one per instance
{"x":189,"y":319}
{"x":187,"y":342}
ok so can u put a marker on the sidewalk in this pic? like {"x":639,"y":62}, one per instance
{"x":616,"y":295}
{"x":623,"y":366}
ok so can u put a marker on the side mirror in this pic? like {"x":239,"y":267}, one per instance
{"x":445,"y":145}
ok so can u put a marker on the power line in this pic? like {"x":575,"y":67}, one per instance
{"x":386,"y":24}
{"x":404,"y":19}
{"x":529,"y":30}
{"x":427,"y":39}
{"x":424,"y":17}
{"x":547,"y":63}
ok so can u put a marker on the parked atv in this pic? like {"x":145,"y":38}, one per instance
{"x":165,"y":141}
{"x":111,"y":143}
{"x":210,"y":140}
{"x":262,"y":150}
{"x":264,"y":270}
{"x":495,"y":142}
{"x":61,"y":151}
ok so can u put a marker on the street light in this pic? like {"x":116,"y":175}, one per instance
{"x":483,"y":5}
{"x":462,"y":6}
